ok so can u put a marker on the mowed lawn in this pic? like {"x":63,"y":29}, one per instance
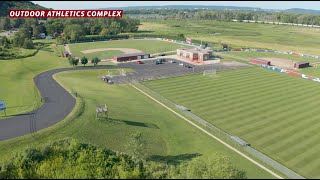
{"x":167,"y":136}
{"x":278,"y":37}
{"x":16,"y":80}
{"x":147,"y":46}
{"x":276,"y":113}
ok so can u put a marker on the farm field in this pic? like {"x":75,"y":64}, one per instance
{"x":167,"y":136}
{"x":285,"y":38}
{"x":276,"y":113}
{"x":147,"y":46}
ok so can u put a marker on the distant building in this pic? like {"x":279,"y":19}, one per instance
{"x":132,"y":56}
{"x":194,"y":54}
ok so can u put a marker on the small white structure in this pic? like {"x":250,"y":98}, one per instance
{"x":49,"y":37}
{"x":42,"y":35}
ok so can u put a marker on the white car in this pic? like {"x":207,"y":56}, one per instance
{"x":180,"y":64}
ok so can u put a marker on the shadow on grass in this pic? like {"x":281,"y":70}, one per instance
{"x":173,"y":160}
{"x":130,"y":123}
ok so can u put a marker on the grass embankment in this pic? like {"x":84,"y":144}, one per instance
{"x":16,"y":76}
{"x":276,"y":113}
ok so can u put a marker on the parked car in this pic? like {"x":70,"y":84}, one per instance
{"x":139,"y":62}
{"x":172,"y":61}
{"x":180,"y":64}
{"x":158,"y":61}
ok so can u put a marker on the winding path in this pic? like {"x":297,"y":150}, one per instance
{"x":58,"y":103}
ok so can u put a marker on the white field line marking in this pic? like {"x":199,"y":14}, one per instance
{"x":222,"y":142}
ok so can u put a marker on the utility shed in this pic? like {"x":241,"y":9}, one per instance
{"x":239,"y":141}
{"x":301,"y":64}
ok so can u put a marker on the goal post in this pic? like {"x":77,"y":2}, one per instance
{"x":210,"y":73}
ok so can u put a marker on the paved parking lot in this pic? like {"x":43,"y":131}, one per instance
{"x":149,"y":70}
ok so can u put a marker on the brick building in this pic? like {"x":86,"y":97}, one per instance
{"x":199,"y":55}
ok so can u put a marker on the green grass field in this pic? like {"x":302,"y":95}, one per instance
{"x":103,"y":55}
{"x":276,"y":113}
{"x":16,"y":78}
{"x":286,"y":38}
{"x":147,"y":46}
{"x":166,"y":135}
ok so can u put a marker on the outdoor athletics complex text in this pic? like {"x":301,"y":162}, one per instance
{"x":65,"y":13}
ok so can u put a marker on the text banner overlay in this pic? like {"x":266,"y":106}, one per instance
{"x":65,"y":13}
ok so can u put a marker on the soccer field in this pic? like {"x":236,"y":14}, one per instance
{"x":276,"y":113}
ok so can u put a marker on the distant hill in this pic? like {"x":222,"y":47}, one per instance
{"x":7,"y":5}
{"x":186,"y":7}
{"x":302,"y":11}
{"x":194,"y":7}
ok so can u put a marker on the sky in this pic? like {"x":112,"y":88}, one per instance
{"x":107,"y":4}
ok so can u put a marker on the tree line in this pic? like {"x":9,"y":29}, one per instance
{"x":72,"y":28}
{"x":228,"y":15}
{"x":71,"y":159}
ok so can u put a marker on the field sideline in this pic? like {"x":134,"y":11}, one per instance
{"x":214,"y":137}
{"x":274,"y":112}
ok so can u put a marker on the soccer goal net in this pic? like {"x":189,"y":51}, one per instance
{"x":123,"y":72}
{"x":210,"y":73}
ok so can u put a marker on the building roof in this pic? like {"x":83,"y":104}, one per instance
{"x":204,"y":51}
{"x":131,"y":54}
{"x":260,"y":60}
{"x":302,"y":62}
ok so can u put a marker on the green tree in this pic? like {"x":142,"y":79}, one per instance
{"x":114,"y":28}
{"x":136,"y":145}
{"x":71,"y":60}
{"x":215,"y":166}
{"x":75,"y":61}
{"x":28,"y":44}
{"x":5,"y":24}
{"x":36,"y":31}
{"x":95,"y":61}
{"x":74,"y":31}
{"x":84,"y":60}
{"x":104,"y":32}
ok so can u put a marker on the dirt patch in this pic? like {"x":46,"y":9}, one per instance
{"x":125,"y":50}
{"x":280,"y":62}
